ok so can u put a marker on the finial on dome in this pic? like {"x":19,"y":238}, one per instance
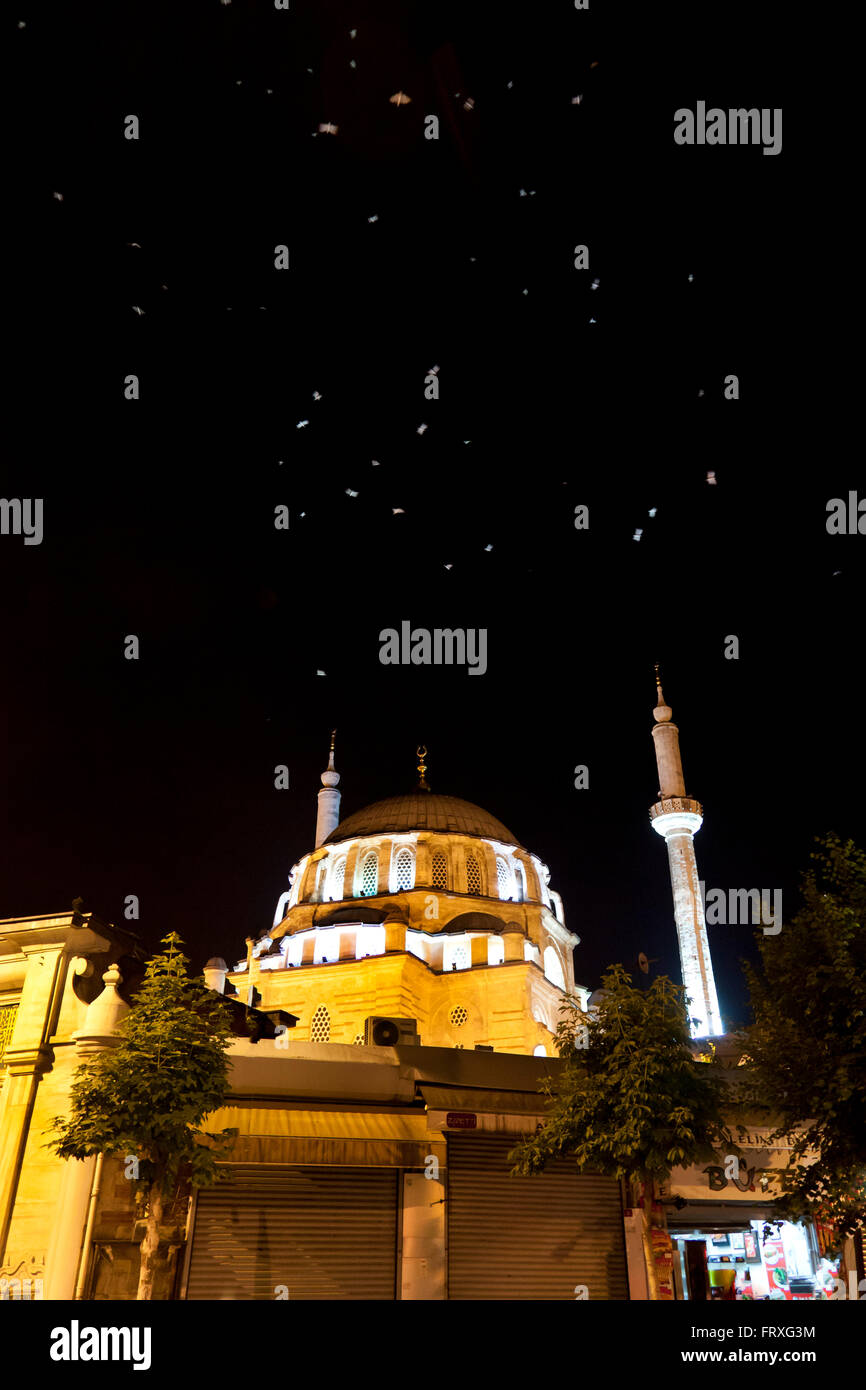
{"x":330,"y":777}
{"x":422,"y":768}
{"x":662,"y":712}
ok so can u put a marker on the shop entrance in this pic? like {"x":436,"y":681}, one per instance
{"x":742,"y":1262}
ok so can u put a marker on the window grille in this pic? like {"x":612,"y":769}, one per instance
{"x":405,"y":867}
{"x":8,"y":1013}
{"x":370,"y":876}
{"x":320,"y":1028}
{"x":473,"y":875}
{"x":337,"y":878}
{"x":504,"y":878}
{"x":459,"y":1016}
{"x":439,"y":875}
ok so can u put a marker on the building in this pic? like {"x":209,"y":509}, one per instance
{"x":407,"y":994}
{"x":393,"y":1027}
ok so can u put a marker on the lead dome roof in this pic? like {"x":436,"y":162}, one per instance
{"x":422,"y":810}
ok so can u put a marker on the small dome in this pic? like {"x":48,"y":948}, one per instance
{"x":422,"y":811}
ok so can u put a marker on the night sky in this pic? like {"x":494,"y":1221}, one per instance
{"x":156,"y":777}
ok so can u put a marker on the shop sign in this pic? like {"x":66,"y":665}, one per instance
{"x":458,"y":1119}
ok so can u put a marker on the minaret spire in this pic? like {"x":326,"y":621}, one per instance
{"x":328,"y":817}
{"x":677,"y":818}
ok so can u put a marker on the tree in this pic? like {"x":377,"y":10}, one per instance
{"x":807,"y":1046}
{"x":631,"y":1101}
{"x":145,"y":1099}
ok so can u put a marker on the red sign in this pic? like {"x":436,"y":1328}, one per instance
{"x":456,"y":1119}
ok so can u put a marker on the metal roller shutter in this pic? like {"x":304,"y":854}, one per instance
{"x":530,"y":1238}
{"x":324,"y":1233}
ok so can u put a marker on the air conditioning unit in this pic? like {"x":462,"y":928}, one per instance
{"x":391,"y":1032}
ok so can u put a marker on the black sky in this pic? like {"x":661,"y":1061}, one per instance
{"x":156,"y":777}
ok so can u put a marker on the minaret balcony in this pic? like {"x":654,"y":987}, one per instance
{"x":676,"y":814}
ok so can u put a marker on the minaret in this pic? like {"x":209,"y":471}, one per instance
{"x":676,"y":817}
{"x":328,"y":817}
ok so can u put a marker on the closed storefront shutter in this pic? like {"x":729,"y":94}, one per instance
{"x":530,"y":1238}
{"x":320,"y":1233}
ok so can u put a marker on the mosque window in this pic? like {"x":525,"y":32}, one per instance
{"x":320,"y":1028}
{"x":553,"y":968}
{"x":358,"y":1040}
{"x":473,"y":874}
{"x":295,"y":952}
{"x":8,"y":1015}
{"x":405,"y":869}
{"x":439,"y":874}
{"x":520,"y":877}
{"x":495,"y":950}
{"x":539,"y":1051}
{"x":504,"y":878}
{"x":370,"y":875}
{"x":338,"y":874}
{"x":457,"y":954}
{"x":459,"y":1016}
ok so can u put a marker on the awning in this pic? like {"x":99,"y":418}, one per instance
{"x":718,"y":1216}
{"x":318,"y":1124}
{"x":484,"y":1102}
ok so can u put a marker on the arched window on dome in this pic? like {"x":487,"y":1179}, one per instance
{"x":504,"y":879}
{"x":338,"y":874}
{"x":553,"y":967}
{"x":439,"y":870}
{"x":320,"y":1028}
{"x":404,"y":869}
{"x":539,"y":1051}
{"x":370,"y":875}
{"x":473,"y":874}
{"x":520,"y":880}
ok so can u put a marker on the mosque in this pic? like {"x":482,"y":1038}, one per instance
{"x":414,"y":905}
{"x":394,"y":1025}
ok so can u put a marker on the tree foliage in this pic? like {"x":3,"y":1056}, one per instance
{"x":146,"y":1098}
{"x":631,"y":1101}
{"x":807,"y":1045}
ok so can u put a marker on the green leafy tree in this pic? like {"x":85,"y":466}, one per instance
{"x":146,"y":1098}
{"x":807,"y":1045}
{"x":631,"y":1101}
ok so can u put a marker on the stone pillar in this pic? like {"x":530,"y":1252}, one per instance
{"x":97,"y":1033}
{"x":514,"y":941}
{"x":395,"y":935}
{"x":478,"y":949}
{"x":349,"y":876}
{"x":423,"y":866}
{"x":27,"y":1060}
{"x":348,"y":944}
{"x":309,"y":949}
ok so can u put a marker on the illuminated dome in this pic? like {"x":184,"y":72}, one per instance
{"x":422,"y":810}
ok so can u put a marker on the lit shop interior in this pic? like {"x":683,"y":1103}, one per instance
{"x":787,"y":1262}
